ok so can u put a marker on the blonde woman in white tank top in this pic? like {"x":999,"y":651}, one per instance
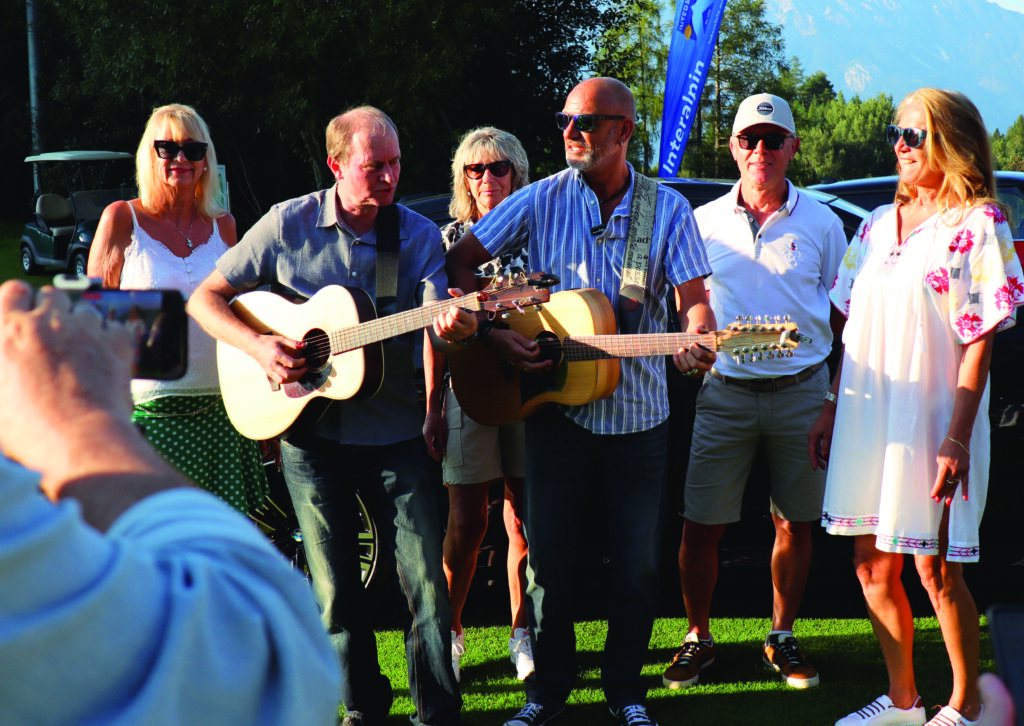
{"x":171,"y":237}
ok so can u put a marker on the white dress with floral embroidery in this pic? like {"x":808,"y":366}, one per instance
{"x":911,"y":307}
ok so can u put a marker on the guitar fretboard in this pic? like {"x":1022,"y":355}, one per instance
{"x":595,"y":347}
{"x":391,"y":326}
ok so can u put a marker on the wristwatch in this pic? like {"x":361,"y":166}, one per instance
{"x":831,"y":397}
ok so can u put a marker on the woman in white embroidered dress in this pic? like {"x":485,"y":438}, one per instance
{"x":926,"y":283}
{"x":171,"y":237}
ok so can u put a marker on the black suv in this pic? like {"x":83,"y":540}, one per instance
{"x":872,"y":192}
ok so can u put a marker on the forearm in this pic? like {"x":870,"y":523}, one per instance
{"x":693,"y":306}
{"x":970,"y":386}
{"x":210,"y":306}
{"x":107,"y":466}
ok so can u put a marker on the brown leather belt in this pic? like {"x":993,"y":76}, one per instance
{"x":768,"y":385}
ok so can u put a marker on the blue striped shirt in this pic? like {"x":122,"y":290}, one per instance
{"x":558,"y":217}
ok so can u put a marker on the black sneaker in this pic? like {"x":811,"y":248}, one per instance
{"x":633,"y":716}
{"x":533,"y":714}
{"x":694,"y":656}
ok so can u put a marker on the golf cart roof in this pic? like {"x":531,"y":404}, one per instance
{"x":80,"y":156}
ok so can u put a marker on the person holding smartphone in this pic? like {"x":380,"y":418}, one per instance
{"x":130,"y":596}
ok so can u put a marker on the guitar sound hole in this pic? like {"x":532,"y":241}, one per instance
{"x":317,"y":350}
{"x":550,"y":348}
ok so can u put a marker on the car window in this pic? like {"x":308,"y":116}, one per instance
{"x":1013,"y":198}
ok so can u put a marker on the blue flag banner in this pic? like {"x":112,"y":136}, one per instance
{"x":693,"y":41}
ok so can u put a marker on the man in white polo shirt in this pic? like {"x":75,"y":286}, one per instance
{"x":774,"y":251}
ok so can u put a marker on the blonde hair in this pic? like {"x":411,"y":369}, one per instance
{"x":957,"y":145}
{"x":478,"y":142}
{"x":341,"y":128}
{"x":153,"y":193}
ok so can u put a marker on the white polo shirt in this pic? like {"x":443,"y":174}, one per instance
{"x":785,"y":268}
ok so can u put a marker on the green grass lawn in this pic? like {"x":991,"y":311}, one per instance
{"x":10,"y":258}
{"x":737,"y":689}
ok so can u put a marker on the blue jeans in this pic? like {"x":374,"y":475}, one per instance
{"x":396,"y":486}
{"x":566,"y":465}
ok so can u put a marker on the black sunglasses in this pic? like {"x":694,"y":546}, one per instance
{"x":911,"y":137}
{"x":194,"y":150}
{"x":497,"y":168}
{"x":772,"y":141}
{"x":585,"y":122}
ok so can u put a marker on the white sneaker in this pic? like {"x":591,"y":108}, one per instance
{"x":949,"y":716}
{"x":882,"y":712}
{"x":458,"y":650}
{"x":521,"y":653}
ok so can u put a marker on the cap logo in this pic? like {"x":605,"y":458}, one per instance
{"x":765,"y":108}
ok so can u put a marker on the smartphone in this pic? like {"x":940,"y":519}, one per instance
{"x":156,"y":320}
{"x":1006,"y":626}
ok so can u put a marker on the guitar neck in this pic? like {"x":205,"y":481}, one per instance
{"x":391,"y":326}
{"x":595,"y":347}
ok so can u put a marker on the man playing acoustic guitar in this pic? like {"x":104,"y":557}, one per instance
{"x":579,"y":225}
{"x":372,"y":445}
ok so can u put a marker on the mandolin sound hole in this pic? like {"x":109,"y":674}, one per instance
{"x":317,"y":350}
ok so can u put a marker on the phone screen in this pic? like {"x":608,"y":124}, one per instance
{"x":157,"y":323}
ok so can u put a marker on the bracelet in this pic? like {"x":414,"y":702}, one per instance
{"x":467,"y":340}
{"x":959,"y":444}
{"x":832,"y":398}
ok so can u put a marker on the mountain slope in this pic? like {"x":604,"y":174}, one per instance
{"x":867,"y":47}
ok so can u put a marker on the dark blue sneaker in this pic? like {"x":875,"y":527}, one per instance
{"x":633,"y":716}
{"x":533,"y":714}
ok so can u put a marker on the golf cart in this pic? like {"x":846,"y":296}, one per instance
{"x":62,"y":229}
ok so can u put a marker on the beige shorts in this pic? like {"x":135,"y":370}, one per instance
{"x":730,"y":424}
{"x":477,"y":453}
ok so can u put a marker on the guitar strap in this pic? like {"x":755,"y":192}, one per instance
{"x":633,"y":290}
{"x":387,"y":259}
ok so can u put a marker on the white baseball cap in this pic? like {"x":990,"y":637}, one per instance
{"x":763,"y":108}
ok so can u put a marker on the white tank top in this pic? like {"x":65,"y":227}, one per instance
{"x":149,"y":265}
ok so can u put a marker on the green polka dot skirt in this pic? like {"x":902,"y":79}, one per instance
{"x":194,"y":435}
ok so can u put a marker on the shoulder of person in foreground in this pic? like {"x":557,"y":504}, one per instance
{"x":181,"y":613}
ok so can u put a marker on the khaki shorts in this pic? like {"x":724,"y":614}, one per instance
{"x":476,"y":453}
{"x":730,"y":423}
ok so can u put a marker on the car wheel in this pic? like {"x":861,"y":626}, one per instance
{"x":28,"y":262}
{"x":79,"y":264}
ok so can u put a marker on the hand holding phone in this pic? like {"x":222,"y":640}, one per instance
{"x":155,"y":320}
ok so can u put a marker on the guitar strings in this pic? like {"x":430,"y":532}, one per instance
{"x":320,"y":345}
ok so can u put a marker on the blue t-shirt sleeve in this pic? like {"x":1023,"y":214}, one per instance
{"x":181,"y":613}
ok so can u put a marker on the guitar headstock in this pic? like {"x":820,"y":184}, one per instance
{"x":752,"y":339}
{"x":516,"y":292}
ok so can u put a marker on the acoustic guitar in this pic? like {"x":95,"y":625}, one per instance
{"x":343,"y":351}
{"x":576,"y":330}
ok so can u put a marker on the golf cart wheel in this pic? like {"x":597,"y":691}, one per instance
{"x":28,"y":262}
{"x":79,"y":264}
